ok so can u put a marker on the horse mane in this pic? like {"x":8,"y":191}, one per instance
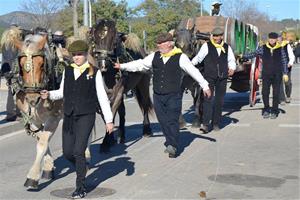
{"x":9,"y":36}
{"x":133,"y":42}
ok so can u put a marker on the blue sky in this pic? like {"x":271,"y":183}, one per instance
{"x":278,"y":9}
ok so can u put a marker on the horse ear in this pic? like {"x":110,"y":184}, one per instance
{"x":42,"y":43}
{"x":18,"y":44}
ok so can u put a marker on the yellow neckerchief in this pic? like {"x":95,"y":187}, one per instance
{"x":273,"y":48}
{"x":174,"y":51}
{"x":284,"y":42}
{"x":218,"y":45}
{"x":81,"y":68}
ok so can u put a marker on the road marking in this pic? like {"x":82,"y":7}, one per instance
{"x":289,"y":125}
{"x":240,"y":125}
{"x":3,"y":137}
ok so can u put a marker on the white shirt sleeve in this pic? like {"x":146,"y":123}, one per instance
{"x":58,"y":94}
{"x":138,"y":65}
{"x":200,"y":55}
{"x":290,"y":54}
{"x":103,"y":99}
{"x":231,"y":59}
{"x":189,"y":68}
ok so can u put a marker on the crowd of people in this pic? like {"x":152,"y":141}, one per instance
{"x":167,"y":64}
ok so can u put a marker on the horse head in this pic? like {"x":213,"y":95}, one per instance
{"x":32,"y":62}
{"x":103,"y":37}
{"x":185,"y":40}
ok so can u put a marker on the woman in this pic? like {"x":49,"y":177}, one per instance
{"x":81,"y":85}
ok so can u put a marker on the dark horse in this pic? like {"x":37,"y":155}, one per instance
{"x":107,"y":48}
{"x":186,"y":40}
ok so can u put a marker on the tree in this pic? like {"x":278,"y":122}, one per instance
{"x":162,"y":15}
{"x":43,"y":11}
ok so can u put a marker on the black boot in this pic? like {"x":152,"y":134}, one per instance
{"x":79,"y":193}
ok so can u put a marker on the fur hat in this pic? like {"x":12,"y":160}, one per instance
{"x":217,"y":31}
{"x":164,"y":37}
{"x":273,"y":35}
{"x":78,"y":46}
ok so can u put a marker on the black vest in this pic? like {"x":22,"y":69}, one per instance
{"x":167,"y":77}
{"x":216,"y":66}
{"x":272,"y":63}
{"x":80,"y":95}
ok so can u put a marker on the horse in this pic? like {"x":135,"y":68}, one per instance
{"x":40,"y":117}
{"x":187,"y":42}
{"x":107,"y":48}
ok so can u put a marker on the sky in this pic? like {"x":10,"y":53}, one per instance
{"x":277,"y":9}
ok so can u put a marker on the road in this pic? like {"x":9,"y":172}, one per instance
{"x":250,"y":158}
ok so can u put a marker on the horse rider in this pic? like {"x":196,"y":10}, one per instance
{"x":219,"y":64}
{"x":81,"y":88}
{"x":167,"y":64}
{"x":274,"y":70}
{"x":286,"y":87}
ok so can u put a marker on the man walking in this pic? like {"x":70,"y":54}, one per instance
{"x":219,"y":63}
{"x":167,"y":64}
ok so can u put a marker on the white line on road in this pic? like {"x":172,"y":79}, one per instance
{"x":240,"y":125}
{"x":3,"y":137}
{"x":289,"y":125}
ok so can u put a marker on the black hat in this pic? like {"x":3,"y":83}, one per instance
{"x":164,"y":37}
{"x":217,"y":31}
{"x":78,"y":46}
{"x":273,"y":35}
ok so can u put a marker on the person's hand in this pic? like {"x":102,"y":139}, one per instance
{"x":230,"y":72}
{"x":44,"y":94}
{"x":259,"y":81}
{"x":117,"y":65}
{"x":207,"y":93}
{"x":289,"y":65}
{"x":109,"y":127}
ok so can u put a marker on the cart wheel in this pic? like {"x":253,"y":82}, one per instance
{"x":254,"y":73}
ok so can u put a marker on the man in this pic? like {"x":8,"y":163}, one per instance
{"x":286,"y":87}
{"x":81,"y":87}
{"x":274,"y":67}
{"x":219,"y":63}
{"x":9,"y":55}
{"x":167,"y":64}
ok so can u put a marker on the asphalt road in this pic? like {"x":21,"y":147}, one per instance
{"x":250,"y":158}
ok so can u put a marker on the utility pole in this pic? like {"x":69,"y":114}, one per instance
{"x":85,"y":13}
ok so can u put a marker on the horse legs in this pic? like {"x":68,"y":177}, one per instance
{"x":34,"y":173}
{"x":198,"y":103}
{"x":121,"y":130}
{"x":147,"y":132}
{"x":48,"y":166}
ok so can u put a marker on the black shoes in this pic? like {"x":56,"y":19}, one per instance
{"x":11,"y":119}
{"x":204,"y":129}
{"x":266,"y":113}
{"x":171,"y":150}
{"x":79,"y":193}
{"x":274,"y":115}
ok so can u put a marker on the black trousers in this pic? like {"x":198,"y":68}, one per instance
{"x":168,"y":109}
{"x":286,"y":87}
{"x":76,"y":132}
{"x":212,"y":106}
{"x":274,"y":80}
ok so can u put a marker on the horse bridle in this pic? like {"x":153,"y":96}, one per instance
{"x":29,"y":67}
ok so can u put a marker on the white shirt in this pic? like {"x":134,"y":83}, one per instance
{"x":101,"y":94}
{"x":184,"y":63}
{"x":290,"y":55}
{"x":204,"y":51}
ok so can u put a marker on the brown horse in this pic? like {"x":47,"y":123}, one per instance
{"x":108,"y":48}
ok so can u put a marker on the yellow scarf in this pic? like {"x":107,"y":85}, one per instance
{"x":273,"y":48}
{"x":218,"y":45}
{"x":284,"y":42}
{"x":174,"y":51}
{"x":81,"y":68}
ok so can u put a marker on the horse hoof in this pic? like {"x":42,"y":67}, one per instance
{"x":147,"y":134}
{"x":196,"y":124}
{"x":31,"y":184}
{"x":48,"y":174}
{"x":182,"y":125}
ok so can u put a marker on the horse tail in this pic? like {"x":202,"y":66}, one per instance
{"x":143,"y":95}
